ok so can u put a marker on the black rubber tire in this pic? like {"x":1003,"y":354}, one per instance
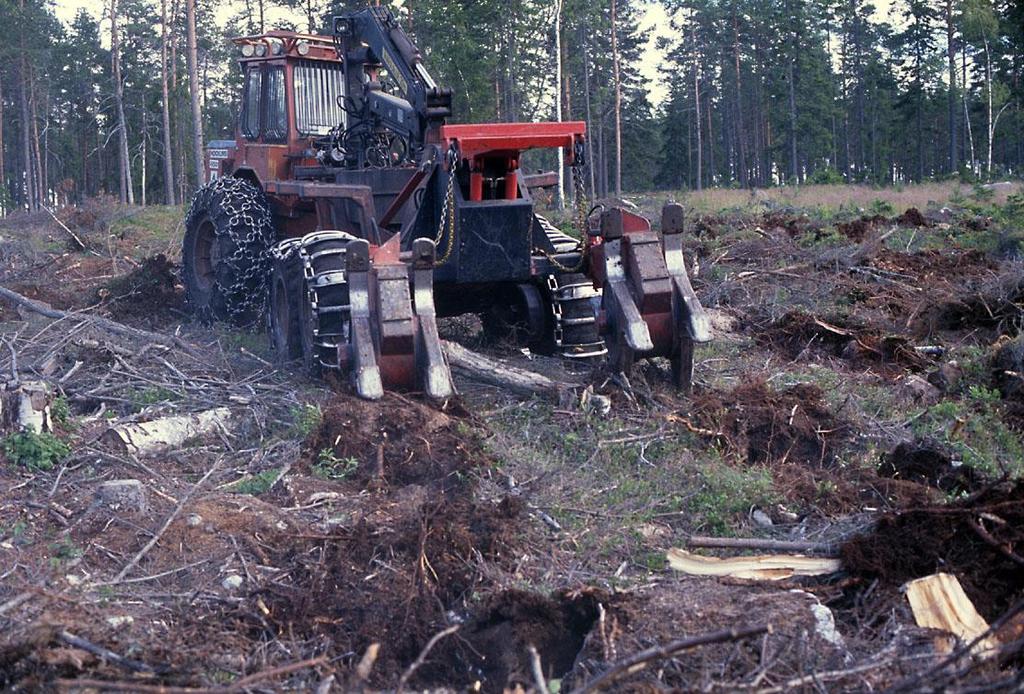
{"x":285,"y":307}
{"x":226,"y":252}
{"x":317,"y":356}
{"x":586,"y":333}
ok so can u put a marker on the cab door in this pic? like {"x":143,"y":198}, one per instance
{"x":263,"y":121}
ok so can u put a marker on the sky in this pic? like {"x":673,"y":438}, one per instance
{"x":653,"y":17}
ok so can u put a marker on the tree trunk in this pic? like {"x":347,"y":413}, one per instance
{"x":696,"y":99}
{"x":560,"y":197}
{"x":793,"y":163}
{"x":26,"y":140}
{"x":954,"y":163}
{"x":741,"y":133}
{"x":991,"y":128}
{"x":166,"y":109}
{"x":124,"y":161}
{"x":618,"y":103}
{"x":3,"y":172}
{"x":590,"y":120}
{"x":193,"y":88}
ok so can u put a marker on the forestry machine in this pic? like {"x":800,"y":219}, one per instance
{"x":351,"y":212}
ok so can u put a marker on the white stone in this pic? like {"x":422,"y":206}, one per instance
{"x":232,"y":582}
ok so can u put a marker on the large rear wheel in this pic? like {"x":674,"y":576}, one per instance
{"x":226,"y":252}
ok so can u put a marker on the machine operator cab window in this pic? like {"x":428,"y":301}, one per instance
{"x":264,"y":109}
{"x":318,"y":87}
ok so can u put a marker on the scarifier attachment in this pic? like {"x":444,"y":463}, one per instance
{"x":649,"y":306}
{"x":394,"y":338}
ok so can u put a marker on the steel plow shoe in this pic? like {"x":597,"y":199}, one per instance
{"x":394,"y":338}
{"x":649,"y":306}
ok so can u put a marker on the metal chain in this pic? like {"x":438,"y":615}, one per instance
{"x":447,"y":223}
{"x":579,"y":190}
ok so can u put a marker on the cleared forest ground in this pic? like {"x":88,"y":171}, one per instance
{"x":863,"y":391}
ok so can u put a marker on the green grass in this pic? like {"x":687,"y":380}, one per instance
{"x":257,"y":484}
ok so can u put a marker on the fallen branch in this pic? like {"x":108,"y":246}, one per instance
{"x":822,"y":548}
{"x":638,"y":661}
{"x":167,"y":523}
{"x":105,"y":654}
{"x":72,"y":234}
{"x":486,"y":370}
{"x":537,"y":671}
{"x":97,"y":321}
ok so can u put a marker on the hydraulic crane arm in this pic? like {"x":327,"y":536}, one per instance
{"x":386,"y":79}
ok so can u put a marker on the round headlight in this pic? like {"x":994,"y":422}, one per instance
{"x":302,"y":47}
{"x":276,"y":48}
{"x":261,"y":49}
{"x":248,"y":50}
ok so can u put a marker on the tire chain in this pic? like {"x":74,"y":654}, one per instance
{"x":300,"y":246}
{"x":251,"y":230}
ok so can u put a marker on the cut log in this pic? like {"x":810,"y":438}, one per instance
{"x":766,"y":567}
{"x":486,"y":370}
{"x":146,"y":438}
{"x":939,"y":602}
{"x":25,"y":406}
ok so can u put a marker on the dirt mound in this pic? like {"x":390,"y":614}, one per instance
{"x":912,"y":217}
{"x":392,"y":442}
{"x":759,"y":425}
{"x":151,"y":290}
{"x":395,"y":583}
{"x":924,"y":463}
{"x":796,"y":333}
{"x":859,"y":229}
{"x":978,"y":539}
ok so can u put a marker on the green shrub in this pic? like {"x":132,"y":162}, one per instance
{"x":330,"y":467}
{"x":35,"y":451}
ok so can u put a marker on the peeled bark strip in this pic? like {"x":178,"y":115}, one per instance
{"x":768,"y":567}
{"x":145,"y":438}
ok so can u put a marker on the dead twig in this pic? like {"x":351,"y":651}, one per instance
{"x":411,"y":670}
{"x":638,"y":661}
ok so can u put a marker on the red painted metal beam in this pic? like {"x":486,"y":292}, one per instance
{"x":476,"y":139}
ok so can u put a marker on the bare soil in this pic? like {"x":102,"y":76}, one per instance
{"x":863,"y":390}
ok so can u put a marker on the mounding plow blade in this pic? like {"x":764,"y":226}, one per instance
{"x":393,"y":341}
{"x":649,"y":307}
